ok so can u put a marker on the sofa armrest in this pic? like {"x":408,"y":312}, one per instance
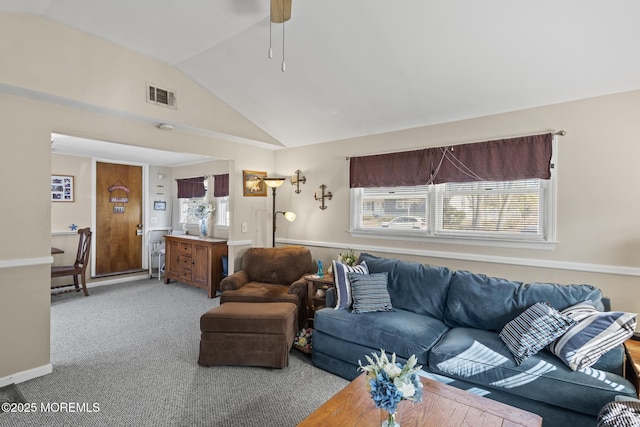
{"x":612,"y":361}
{"x":299,"y":288}
{"x":234,"y":281}
{"x":330,"y":297}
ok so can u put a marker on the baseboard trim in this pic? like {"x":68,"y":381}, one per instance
{"x":20,"y":377}
{"x":119,"y":280}
{"x":524,"y":262}
{"x":25,"y":262}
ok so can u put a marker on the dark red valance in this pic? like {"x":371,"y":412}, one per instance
{"x":221,"y":185}
{"x":499,"y":160}
{"x":191,"y":187}
{"x":390,"y":170}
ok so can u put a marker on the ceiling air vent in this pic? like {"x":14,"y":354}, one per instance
{"x":160,"y":96}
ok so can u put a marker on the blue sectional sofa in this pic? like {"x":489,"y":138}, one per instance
{"x":451,"y":321}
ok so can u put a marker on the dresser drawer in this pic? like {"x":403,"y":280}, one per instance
{"x":185,"y":261}
{"x":185,"y":273}
{"x":186,"y":249}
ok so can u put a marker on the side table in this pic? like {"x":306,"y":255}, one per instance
{"x":632,"y":365}
{"x":313,"y":284}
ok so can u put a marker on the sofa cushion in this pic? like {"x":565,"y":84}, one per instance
{"x":399,"y":331}
{"x":533,"y":330}
{"x":413,"y":286}
{"x":343,"y":284}
{"x":370,"y":292}
{"x":489,"y":303}
{"x":480,"y":357}
{"x":594,"y":334}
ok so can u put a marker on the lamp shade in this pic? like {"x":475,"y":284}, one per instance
{"x":273,"y":182}
{"x":290,"y":216}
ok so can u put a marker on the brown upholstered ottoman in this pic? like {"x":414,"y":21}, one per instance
{"x":248,"y":334}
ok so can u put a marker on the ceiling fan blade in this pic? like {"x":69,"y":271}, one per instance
{"x":280,"y":11}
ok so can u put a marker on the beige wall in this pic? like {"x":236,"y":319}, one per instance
{"x":598,"y":196}
{"x":78,"y":212}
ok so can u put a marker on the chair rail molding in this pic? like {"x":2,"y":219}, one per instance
{"x":25,"y":262}
{"x":525,"y":262}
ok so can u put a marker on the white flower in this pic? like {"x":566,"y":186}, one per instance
{"x":396,"y":382}
{"x":392,"y":370}
{"x":406,"y":388}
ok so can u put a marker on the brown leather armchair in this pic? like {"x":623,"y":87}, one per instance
{"x":271,"y":275}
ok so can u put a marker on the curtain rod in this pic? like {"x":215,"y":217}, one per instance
{"x":561,"y":132}
{"x":191,"y":177}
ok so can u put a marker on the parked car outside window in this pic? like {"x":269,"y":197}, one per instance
{"x":406,"y":222}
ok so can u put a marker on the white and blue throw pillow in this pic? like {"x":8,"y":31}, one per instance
{"x":342,"y":283}
{"x":595,"y":333}
{"x":370,"y":292}
{"x":533,"y":330}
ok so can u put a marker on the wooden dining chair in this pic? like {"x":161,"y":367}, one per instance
{"x":79,"y":268}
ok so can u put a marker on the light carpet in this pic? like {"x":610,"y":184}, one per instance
{"x":127,"y":356}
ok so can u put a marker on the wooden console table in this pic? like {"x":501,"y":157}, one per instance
{"x":195,"y":261}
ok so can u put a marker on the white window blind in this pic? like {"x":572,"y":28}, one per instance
{"x":506,"y":211}
{"x":485,"y":208}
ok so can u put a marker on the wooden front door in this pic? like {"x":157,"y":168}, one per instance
{"x":118,"y":233}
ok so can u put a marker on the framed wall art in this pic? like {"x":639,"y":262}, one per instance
{"x":159,"y":206}
{"x":62,"y":188}
{"x":253,"y":184}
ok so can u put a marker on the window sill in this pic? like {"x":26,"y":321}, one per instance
{"x":455,"y":240}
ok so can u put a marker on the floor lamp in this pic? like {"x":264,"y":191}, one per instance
{"x":274,"y":183}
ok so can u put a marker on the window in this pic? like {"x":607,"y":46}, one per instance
{"x":511,"y":208}
{"x":397,"y":208}
{"x":501,"y":211}
{"x":222,"y":211}
{"x":185,"y":215}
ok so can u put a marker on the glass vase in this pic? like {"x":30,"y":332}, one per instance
{"x":389,"y":419}
{"x":203,"y":227}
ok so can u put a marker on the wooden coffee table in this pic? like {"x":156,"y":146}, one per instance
{"x":442,"y":405}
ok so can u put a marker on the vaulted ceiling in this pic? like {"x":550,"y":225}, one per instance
{"x":359,"y":67}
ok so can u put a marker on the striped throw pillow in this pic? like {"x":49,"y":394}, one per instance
{"x":342,"y":284}
{"x":595,"y":333}
{"x":533,"y":330}
{"x":370,"y":292}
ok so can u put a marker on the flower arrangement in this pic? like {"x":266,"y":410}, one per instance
{"x":390,"y":382}
{"x":348,"y":258}
{"x":302,"y":340}
{"x":202,"y":210}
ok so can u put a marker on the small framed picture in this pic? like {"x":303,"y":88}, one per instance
{"x":253,"y":184}
{"x":159,"y":206}
{"x":62,"y":188}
